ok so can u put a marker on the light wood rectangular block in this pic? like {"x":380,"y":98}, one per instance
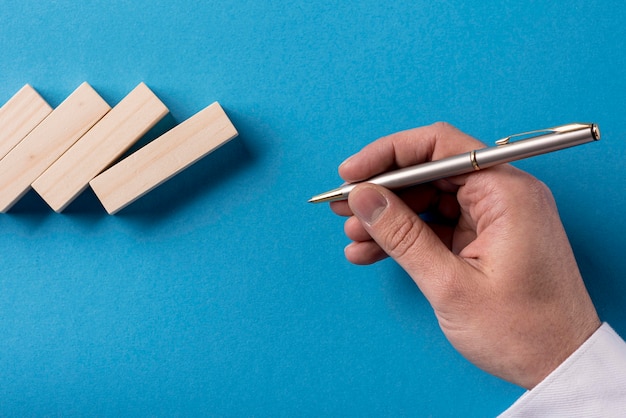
{"x":163,"y":158}
{"x":113,"y":135}
{"x":47,"y":142}
{"x":25,"y":110}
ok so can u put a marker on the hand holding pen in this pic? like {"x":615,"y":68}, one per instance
{"x":499,"y":272}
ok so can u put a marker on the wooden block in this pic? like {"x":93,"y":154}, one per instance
{"x":25,"y":110}
{"x":163,"y":158}
{"x":47,"y":142}
{"x":113,"y":135}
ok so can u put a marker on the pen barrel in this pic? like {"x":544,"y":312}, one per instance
{"x":488,"y":157}
{"x":473,"y":160}
{"x":427,"y":172}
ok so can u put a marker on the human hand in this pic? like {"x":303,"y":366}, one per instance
{"x":495,"y":264}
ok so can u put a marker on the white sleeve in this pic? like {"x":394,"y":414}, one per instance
{"x":590,"y":383}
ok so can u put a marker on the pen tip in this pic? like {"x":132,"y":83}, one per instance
{"x":330,"y":196}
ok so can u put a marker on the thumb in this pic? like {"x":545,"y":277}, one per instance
{"x":402,"y":234}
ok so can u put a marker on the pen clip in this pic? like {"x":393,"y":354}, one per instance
{"x":570,"y":127}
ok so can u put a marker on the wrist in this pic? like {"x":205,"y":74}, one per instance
{"x":562,"y":347}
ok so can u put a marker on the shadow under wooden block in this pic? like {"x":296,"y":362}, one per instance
{"x":19,"y":116}
{"x":47,"y":142}
{"x":104,"y":143}
{"x":203,"y":181}
{"x":163,"y":158}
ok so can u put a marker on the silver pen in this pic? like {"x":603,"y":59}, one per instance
{"x":506,"y":150}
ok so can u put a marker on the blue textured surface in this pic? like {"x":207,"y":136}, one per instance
{"x":223,"y":292}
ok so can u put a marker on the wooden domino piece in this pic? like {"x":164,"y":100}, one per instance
{"x":163,"y":158}
{"x":113,"y":135}
{"x":25,"y":110}
{"x":47,"y":142}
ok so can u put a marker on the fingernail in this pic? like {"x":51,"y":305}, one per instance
{"x":367,"y":204}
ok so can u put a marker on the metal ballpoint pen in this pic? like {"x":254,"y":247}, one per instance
{"x":505,"y":151}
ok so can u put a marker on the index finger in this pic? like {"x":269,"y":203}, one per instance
{"x":402,"y":149}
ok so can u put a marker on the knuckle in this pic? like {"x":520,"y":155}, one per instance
{"x":443,"y":126}
{"x":402,"y":240}
{"x":538,"y":190}
{"x":542,"y":190}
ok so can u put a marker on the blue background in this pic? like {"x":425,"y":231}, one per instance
{"x":223,"y":292}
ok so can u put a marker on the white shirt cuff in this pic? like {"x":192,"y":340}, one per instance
{"x":589,"y":383}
